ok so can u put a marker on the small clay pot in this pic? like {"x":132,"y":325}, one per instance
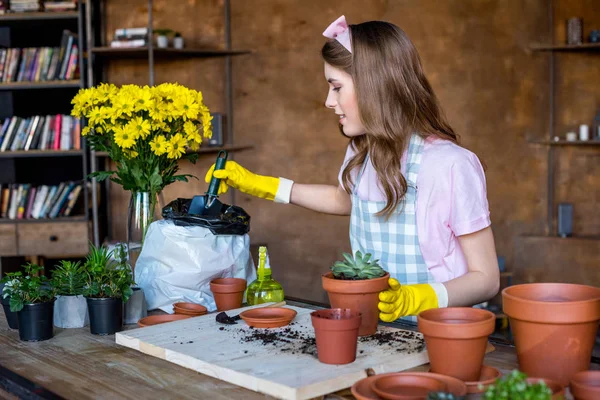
{"x":228,"y":292}
{"x":336,"y":334}
{"x":585,"y":385}
{"x":456,"y":339}
{"x":189,"y":308}
{"x":361,"y":296}
{"x":558,"y":390}
{"x":554,"y":327}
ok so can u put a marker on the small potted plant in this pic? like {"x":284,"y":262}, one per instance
{"x":33,"y":300}
{"x":178,"y":41}
{"x":70,"y":308}
{"x":107,"y":288}
{"x":11,"y":317}
{"x":162,"y":38}
{"x":517,"y":385}
{"x":355,"y":284}
{"x":136,"y":307}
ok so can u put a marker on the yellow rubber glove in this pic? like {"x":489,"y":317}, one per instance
{"x":240,"y":178}
{"x":404,"y":300}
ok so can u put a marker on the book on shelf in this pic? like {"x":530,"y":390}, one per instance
{"x":59,"y":5}
{"x":25,"y":201}
{"x":40,"y":132}
{"x":24,"y":5}
{"x":40,"y":64}
{"x":130,"y":38}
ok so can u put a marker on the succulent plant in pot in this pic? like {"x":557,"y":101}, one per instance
{"x":70,"y":308}
{"x":355,"y":283}
{"x":32,"y":298}
{"x":107,"y":288}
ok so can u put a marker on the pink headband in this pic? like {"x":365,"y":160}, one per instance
{"x":339,"y":31}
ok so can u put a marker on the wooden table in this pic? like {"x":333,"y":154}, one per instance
{"x":78,"y":365}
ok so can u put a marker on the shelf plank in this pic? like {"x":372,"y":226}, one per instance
{"x":142,"y":52}
{"x":40,"y":85}
{"x":558,"y":238}
{"x":590,"y":143}
{"x":566,"y":47}
{"x":41,"y":15}
{"x":202,"y":150}
{"x":41,"y":153}
{"x":42,"y":221}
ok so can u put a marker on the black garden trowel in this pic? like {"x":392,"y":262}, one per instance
{"x":209,"y":204}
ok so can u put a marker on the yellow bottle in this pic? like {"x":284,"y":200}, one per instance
{"x":264,"y":289}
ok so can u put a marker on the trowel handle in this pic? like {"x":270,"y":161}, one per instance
{"x":213,"y":188}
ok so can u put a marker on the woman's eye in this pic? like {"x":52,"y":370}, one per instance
{"x":336,"y":89}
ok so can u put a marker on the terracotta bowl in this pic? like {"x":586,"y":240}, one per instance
{"x":268,"y":317}
{"x":487,"y":376}
{"x":554,"y":326}
{"x":189,"y":308}
{"x":160,"y":319}
{"x":362,"y":389}
{"x":406,"y":386}
{"x":558,"y":390}
{"x":585,"y":385}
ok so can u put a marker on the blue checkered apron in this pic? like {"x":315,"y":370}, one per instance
{"x":394,"y":241}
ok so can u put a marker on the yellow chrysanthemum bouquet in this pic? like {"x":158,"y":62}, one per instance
{"x":145,"y":131}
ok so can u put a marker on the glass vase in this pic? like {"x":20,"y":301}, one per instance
{"x":141,"y":213}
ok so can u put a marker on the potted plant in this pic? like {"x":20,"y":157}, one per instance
{"x":355,"y":284}
{"x":336,"y":335}
{"x":136,"y":307}
{"x":11,"y":317}
{"x":70,"y":308}
{"x":178,"y":41}
{"x":107,"y":287}
{"x":33,"y":300}
{"x":517,"y":385}
{"x":162,"y":38}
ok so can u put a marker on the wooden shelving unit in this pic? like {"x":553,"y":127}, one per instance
{"x":142,"y":52}
{"x":43,"y":221}
{"x":35,"y":16}
{"x":587,"y":143}
{"x":566,"y":47}
{"x":202,"y":150}
{"x":40,"y":85}
{"x":554,"y":237}
{"x":41,"y":153}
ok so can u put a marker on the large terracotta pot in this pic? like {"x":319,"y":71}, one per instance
{"x":228,"y":292}
{"x":336,"y":334}
{"x":554,"y":327}
{"x":585,"y":385}
{"x":361,"y":296}
{"x":456,"y":340}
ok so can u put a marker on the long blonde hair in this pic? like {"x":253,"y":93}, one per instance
{"x":394,"y":100}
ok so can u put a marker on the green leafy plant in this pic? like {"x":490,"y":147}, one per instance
{"x":30,"y":287}
{"x":162,"y":32}
{"x":106,"y":278}
{"x":357,"y":268}
{"x":443,"y":396}
{"x":514,"y":386}
{"x":68,"y":278}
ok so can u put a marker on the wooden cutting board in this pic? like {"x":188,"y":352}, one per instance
{"x":280,"y":362}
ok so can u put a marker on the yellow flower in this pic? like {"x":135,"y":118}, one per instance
{"x":159,"y":145}
{"x":81,"y":101}
{"x":104,"y":92}
{"x":95,"y":116}
{"x":176,"y":146}
{"x":139,"y":126}
{"x":130,"y":153}
{"x":191,"y":132}
{"x":122,"y":105}
{"x":123,"y":138}
{"x":194,"y":146}
{"x":85,"y":131}
{"x":186,"y":106}
{"x":157,"y":111}
{"x":206,"y":122}
{"x":143,"y":99}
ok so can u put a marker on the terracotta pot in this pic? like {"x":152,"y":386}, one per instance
{"x":585,"y":385}
{"x":487,"y":376}
{"x":558,"y":390}
{"x":554,"y":327}
{"x":228,"y":292}
{"x":336,"y":334}
{"x":359,"y":296}
{"x":456,"y":339}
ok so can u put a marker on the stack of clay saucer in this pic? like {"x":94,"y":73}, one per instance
{"x":191,"y":309}
{"x":406,"y":385}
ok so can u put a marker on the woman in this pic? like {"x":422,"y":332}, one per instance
{"x":417,"y":200}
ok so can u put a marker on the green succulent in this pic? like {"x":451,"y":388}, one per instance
{"x":514,"y":386}
{"x":107,"y":278}
{"x":357,"y":268}
{"x":68,"y":278}
{"x":443,"y":396}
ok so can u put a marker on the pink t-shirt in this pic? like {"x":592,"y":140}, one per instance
{"x":451,"y":201}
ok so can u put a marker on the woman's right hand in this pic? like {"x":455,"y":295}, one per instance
{"x":240,"y":178}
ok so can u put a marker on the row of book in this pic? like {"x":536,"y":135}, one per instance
{"x":25,"y":201}
{"x":49,"y":132}
{"x":36,"y":5}
{"x":36,"y":64}
{"x":130,"y":38}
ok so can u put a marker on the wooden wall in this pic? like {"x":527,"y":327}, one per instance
{"x":475,"y":52}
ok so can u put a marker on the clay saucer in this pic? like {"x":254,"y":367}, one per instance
{"x":191,"y":308}
{"x":160,"y":319}
{"x":585,"y":385}
{"x":487,"y":376}
{"x":404,"y":386}
{"x":362,"y":389}
{"x":268,"y":317}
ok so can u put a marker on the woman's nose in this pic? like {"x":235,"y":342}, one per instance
{"x":329,"y":102}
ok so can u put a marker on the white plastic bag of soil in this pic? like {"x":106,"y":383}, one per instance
{"x":178,"y":262}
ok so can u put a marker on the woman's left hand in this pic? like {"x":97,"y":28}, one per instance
{"x":403,"y":300}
